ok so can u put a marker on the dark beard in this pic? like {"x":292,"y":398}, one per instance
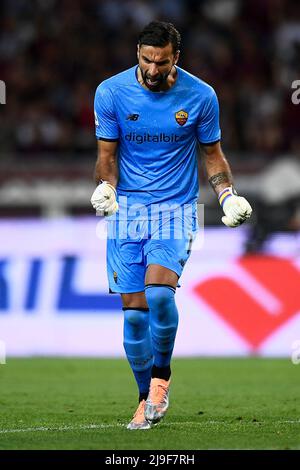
{"x":161,"y":79}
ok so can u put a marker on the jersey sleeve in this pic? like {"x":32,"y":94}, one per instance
{"x":105,"y":118}
{"x":208,"y":129}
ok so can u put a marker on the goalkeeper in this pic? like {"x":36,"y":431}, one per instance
{"x":149,"y":120}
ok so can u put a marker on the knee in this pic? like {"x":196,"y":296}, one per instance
{"x":159,"y":297}
{"x":136,"y":319}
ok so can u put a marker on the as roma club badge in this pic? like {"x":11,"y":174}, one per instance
{"x":181,"y":117}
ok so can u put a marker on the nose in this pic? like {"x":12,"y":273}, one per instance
{"x":153,"y":70}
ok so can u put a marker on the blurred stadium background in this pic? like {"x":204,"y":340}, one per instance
{"x":240,"y":292}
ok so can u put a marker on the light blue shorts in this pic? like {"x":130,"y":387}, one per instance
{"x":134,"y":245}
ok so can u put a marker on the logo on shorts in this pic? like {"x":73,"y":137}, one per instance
{"x":115,"y":277}
{"x":181,"y":117}
{"x":132,"y":117}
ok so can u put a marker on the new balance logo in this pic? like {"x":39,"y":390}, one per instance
{"x":132,"y":117}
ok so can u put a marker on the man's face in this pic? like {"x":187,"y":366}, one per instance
{"x":155,"y":64}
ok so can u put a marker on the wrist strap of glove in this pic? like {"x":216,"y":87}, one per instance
{"x":225,"y":194}
{"x":110,"y":185}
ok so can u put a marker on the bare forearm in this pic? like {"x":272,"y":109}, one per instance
{"x":106,"y":170}
{"x":218,"y":170}
{"x":219,"y":177}
{"x":236,"y":209}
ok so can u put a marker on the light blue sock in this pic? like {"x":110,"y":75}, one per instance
{"x":163,"y":321}
{"x":137,"y":345}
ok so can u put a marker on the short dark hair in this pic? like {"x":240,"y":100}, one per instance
{"x":160,"y":34}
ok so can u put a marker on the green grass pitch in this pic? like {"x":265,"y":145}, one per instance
{"x":242,"y":403}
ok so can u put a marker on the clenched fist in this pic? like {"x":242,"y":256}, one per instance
{"x":236,"y":208}
{"x":104,"y":199}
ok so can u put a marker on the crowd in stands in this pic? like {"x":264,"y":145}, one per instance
{"x":54,"y":53}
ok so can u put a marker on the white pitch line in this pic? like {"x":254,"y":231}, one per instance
{"x":61,"y":428}
{"x":106,"y":426}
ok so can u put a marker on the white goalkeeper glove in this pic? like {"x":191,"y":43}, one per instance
{"x":104,"y":199}
{"x":236,"y":208}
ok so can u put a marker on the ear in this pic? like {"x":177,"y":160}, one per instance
{"x":138,"y":52}
{"x":176,"y":57}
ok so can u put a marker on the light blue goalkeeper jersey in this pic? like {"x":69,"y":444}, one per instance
{"x":157,"y":134}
